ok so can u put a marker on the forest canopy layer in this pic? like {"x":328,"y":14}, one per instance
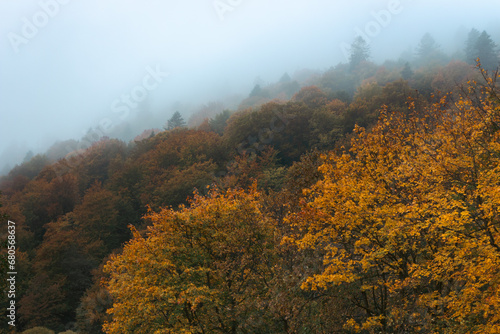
{"x":366,"y":200}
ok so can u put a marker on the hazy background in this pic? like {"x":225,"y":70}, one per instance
{"x":65,"y":79}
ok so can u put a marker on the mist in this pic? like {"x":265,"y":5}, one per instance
{"x":67,"y":66}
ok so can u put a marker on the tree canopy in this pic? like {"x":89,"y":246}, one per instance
{"x":359,"y":52}
{"x":409,"y":219}
{"x":176,"y":121}
{"x":359,"y":199}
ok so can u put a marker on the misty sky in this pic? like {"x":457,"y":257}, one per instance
{"x":66,"y":65}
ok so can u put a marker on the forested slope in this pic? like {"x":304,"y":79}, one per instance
{"x":366,"y":201}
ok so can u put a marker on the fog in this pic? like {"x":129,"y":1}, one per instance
{"x":66,"y":66}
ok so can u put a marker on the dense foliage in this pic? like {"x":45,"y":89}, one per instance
{"x":360,"y":200}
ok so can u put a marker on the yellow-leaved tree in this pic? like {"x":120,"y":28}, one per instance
{"x":410,"y":217}
{"x":201,"y":269}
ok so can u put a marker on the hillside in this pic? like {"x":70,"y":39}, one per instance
{"x":362,"y":200}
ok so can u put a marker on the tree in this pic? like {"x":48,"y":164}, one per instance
{"x":407,"y":73}
{"x":219,"y":122}
{"x":99,"y":222}
{"x":205,"y":112}
{"x":408,"y":219}
{"x":339,"y":81}
{"x":429,"y":53}
{"x":364,"y":109}
{"x":481,"y":46}
{"x":258,"y":91}
{"x":91,"y":313}
{"x":61,"y":276}
{"x":34,"y":207}
{"x":28,"y":156}
{"x":30,"y":168}
{"x":289,"y":88}
{"x":201,"y":269}
{"x":487,"y":52}
{"x":471,"y":53}
{"x":94,"y":164}
{"x":359,"y":52}
{"x":274,"y":124}
{"x":285,"y":78}
{"x":176,"y":121}
{"x":427,"y":46}
{"x":446,"y":78}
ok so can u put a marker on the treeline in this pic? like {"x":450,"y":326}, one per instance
{"x":297,"y":224}
{"x":418,"y":65}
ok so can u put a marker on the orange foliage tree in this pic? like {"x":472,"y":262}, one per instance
{"x":409,"y":219}
{"x":202,"y":269}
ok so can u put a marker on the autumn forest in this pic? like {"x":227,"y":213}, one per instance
{"x":365,"y":199}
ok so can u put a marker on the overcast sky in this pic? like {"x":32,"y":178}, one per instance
{"x":66,"y":65}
